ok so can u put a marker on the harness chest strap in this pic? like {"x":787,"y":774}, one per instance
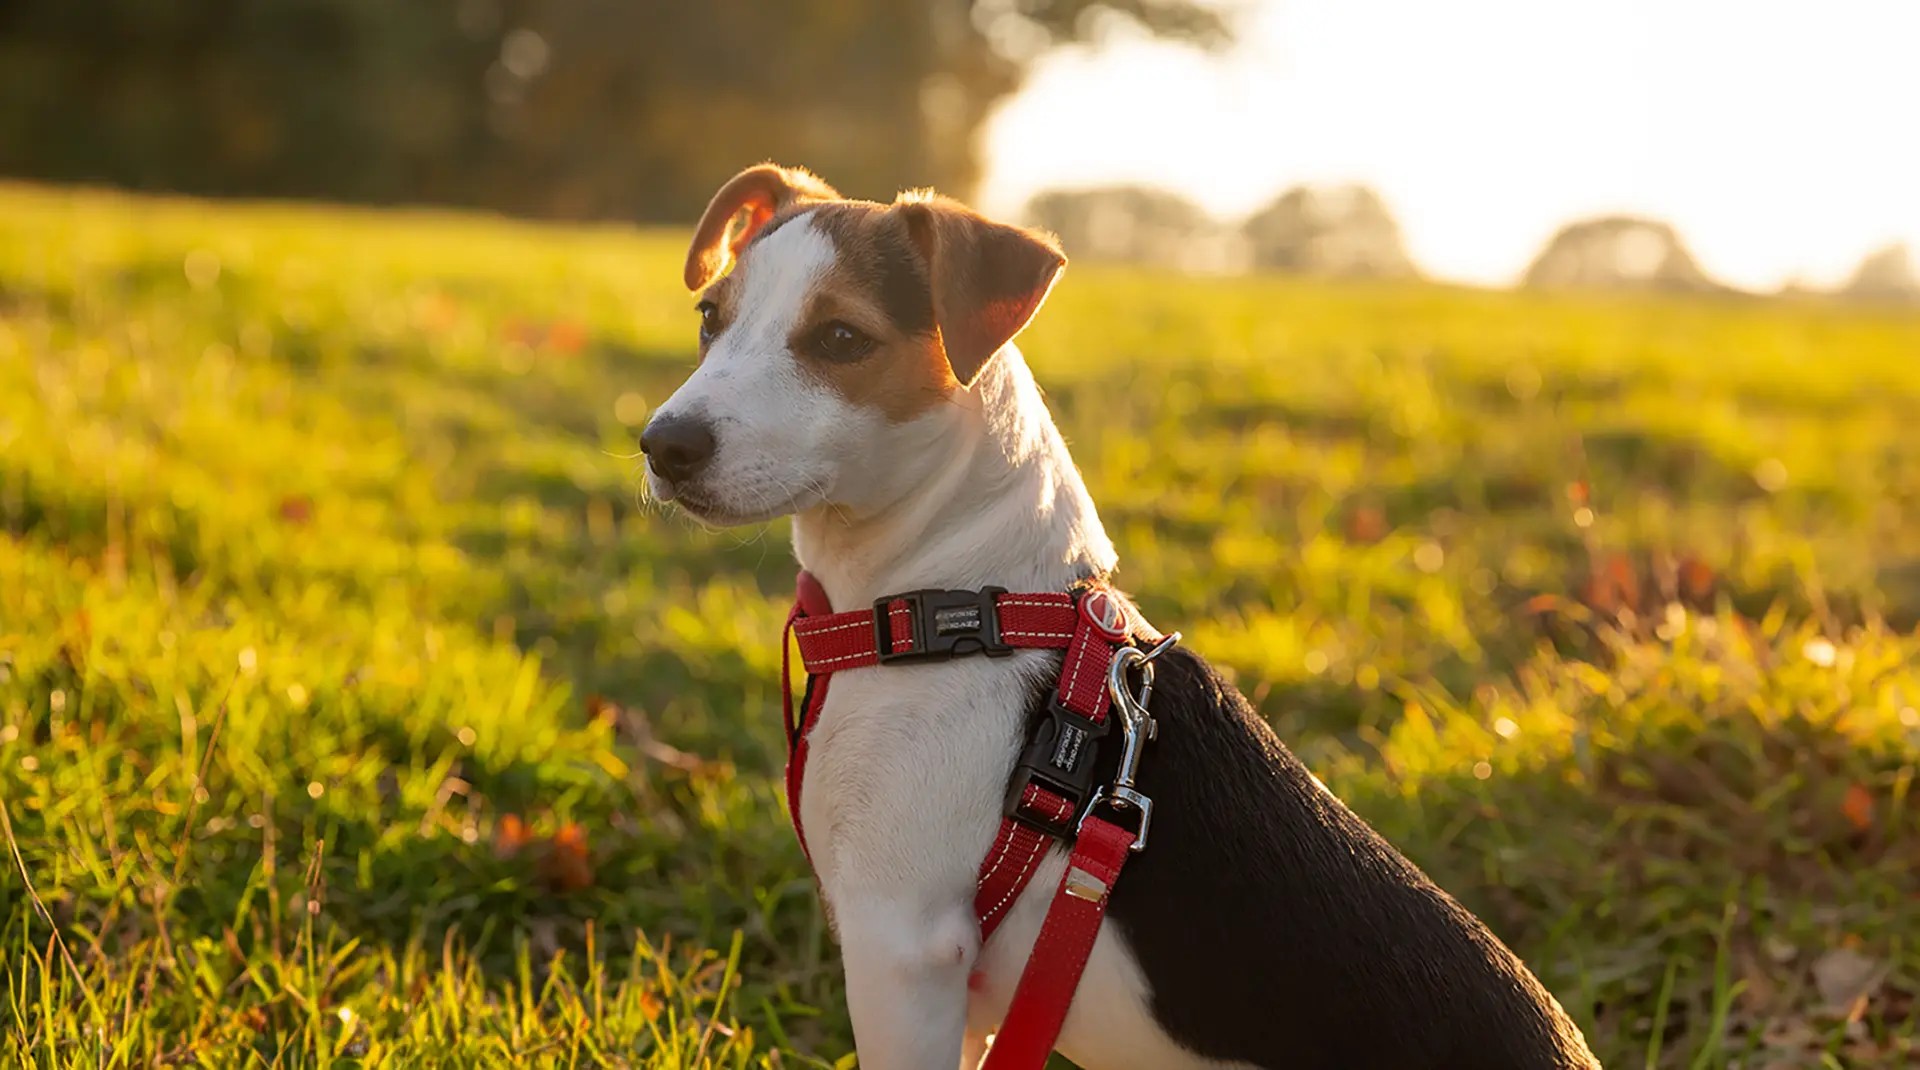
{"x":927,"y":624}
{"x":835,"y":642}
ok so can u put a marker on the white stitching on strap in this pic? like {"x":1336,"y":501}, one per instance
{"x":1073,"y":674}
{"x":1032,"y":857}
{"x":1005,"y":846}
{"x":802,"y":629}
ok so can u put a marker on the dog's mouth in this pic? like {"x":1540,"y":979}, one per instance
{"x":703,"y":508}
{"x":703,"y":505}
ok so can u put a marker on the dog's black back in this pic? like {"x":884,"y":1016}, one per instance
{"x":1276,"y":928}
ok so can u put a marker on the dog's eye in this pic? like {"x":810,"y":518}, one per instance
{"x":840,"y":342}
{"x":709,"y":320}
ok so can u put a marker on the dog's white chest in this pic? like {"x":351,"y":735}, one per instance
{"x":905,"y":772}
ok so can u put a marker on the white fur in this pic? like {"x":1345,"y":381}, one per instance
{"x":781,"y":437}
{"x":908,"y":763}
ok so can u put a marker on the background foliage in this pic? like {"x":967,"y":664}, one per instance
{"x":628,"y":109}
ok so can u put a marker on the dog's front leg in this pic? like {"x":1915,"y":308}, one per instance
{"x":907,"y":980}
{"x":973,"y":1050}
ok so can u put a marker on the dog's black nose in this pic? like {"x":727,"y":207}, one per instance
{"x":677,"y":447}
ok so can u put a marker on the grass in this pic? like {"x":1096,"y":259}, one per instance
{"x":354,"y":713}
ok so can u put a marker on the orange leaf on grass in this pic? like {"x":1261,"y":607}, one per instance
{"x":1366,"y":524}
{"x":565,"y":865}
{"x":1696,"y":578}
{"x":601,"y":708}
{"x":567,"y":336}
{"x":1858,"y":807}
{"x":509,"y":835}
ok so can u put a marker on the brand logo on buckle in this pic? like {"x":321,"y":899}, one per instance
{"x":1106,"y":613}
{"x":961,"y":619}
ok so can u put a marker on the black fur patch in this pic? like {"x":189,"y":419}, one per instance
{"x":1276,"y":928}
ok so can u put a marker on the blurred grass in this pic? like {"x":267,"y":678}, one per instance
{"x":352,"y":712}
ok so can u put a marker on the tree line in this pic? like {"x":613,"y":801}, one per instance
{"x":630,"y":109}
{"x":572,"y":109}
{"x":1347,"y":231}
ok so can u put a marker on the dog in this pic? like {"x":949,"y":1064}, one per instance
{"x":857,"y":372}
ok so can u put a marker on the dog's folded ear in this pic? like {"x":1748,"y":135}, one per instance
{"x":988,"y":278}
{"x":761,"y":191}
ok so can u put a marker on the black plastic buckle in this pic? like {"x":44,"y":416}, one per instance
{"x":1060,"y":758}
{"x":945,"y":624}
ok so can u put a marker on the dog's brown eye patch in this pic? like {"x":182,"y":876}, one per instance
{"x":875,"y":261}
{"x":840,"y":342}
{"x":868,"y":324}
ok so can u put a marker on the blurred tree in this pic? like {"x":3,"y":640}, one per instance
{"x":1618,"y":253}
{"x":1887,"y":274}
{"x":573,"y":108}
{"x":1342,"y":231}
{"x":1126,"y":224}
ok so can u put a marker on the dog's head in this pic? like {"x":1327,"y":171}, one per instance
{"x":837,"y":339}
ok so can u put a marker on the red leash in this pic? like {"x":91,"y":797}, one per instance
{"x":1052,"y":795}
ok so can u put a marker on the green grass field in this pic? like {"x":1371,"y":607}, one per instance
{"x":354,"y":711}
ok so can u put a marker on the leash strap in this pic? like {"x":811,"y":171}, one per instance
{"x":1052,"y":976}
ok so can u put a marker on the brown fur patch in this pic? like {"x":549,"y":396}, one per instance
{"x":987,"y":279}
{"x":879,"y":286}
{"x":938,"y":287}
{"x":759,"y":192}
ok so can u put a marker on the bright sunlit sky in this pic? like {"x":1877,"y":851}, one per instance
{"x":1781,"y":138}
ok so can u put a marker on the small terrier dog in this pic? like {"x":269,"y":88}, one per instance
{"x":857,"y":372}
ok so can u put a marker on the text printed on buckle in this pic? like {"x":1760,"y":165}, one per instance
{"x":1137,"y":728}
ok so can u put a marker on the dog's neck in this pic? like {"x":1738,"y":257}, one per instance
{"x":985,"y":494}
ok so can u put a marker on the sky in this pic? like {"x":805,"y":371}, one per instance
{"x":1781,"y":138}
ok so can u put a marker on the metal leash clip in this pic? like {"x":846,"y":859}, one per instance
{"x":1137,"y":728}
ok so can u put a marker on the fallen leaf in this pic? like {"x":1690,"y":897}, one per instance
{"x":509,"y":835}
{"x":1696,"y":579}
{"x":600,"y":708}
{"x":565,"y":864}
{"x":1612,"y":586}
{"x":1846,"y":978}
{"x":1858,"y":807}
{"x":1542,"y":603}
{"x":1366,"y":524}
{"x":1781,"y":950}
{"x":567,"y":336}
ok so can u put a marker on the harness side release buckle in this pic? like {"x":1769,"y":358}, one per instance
{"x":1059,"y":759}
{"x":941,"y":625}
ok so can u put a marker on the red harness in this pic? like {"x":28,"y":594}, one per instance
{"x":1052,"y":786}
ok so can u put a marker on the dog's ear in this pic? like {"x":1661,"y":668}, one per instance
{"x":761,"y":191}
{"x":988,"y":278}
